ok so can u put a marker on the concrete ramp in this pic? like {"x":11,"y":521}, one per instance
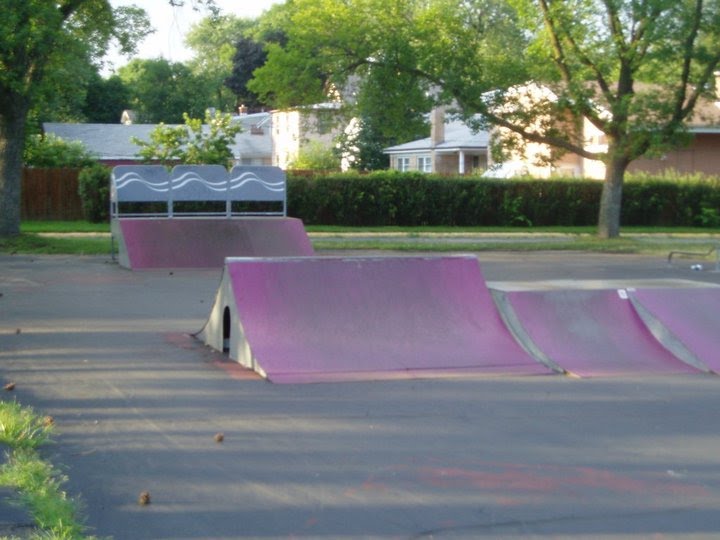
{"x":687,"y":318}
{"x":146,"y":243}
{"x":324,"y":318}
{"x":590,"y":332}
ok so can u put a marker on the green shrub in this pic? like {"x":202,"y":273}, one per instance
{"x":94,"y":191}
{"x":50,"y":151}
{"x":390,"y":198}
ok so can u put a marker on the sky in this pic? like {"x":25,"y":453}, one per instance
{"x":172,"y":23}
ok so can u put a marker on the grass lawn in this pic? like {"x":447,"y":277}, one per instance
{"x":37,"y":481}
{"x":82,"y":238}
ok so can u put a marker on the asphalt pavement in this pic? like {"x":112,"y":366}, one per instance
{"x":138,"y":403}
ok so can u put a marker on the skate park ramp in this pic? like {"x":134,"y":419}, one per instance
{"x":147,"y":243}
{"x":686,"y":317}
{"x":590,"y":333}
{"x":313,"y":319}
{"x":196,"y":215}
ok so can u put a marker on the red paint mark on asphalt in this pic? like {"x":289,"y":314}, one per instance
{"x":209,"y":355}
{"x":550,"y":478}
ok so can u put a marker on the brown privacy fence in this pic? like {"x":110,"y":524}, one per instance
{"x":50,"y":194}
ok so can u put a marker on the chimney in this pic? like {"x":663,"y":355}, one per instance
{"x":717,"y":85}
{"x":242,"y":110}
{"x":437,"y":125}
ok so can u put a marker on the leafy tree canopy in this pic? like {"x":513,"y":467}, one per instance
{"x":162,"y":91}
{"x":588,"y":59}
{"x":213,"y":41}
{"x":193,"y":143}
{"x":40,"y":39}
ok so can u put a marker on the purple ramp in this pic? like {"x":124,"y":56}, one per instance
{"x":322,"y":318}
{"x":592,"y":333}
{"x":691,"y":316}
{"x":205,"y":243}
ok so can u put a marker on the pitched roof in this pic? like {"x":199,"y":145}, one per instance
{"x":114,"y":141}
{"x":458,"y":136}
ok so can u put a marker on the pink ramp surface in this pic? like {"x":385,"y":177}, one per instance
{"x":691,"y":316}
{"x":322,"y":318}
{"x":205,"y":243}
{"x":592,"y":333}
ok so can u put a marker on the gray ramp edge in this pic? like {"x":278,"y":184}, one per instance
{"x":510,"y":318}
{"x":666,"y":338}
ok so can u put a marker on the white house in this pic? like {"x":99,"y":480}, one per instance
{"x":451,"y":148}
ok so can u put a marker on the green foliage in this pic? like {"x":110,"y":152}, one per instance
{"x":42,"y":44}
{"x":588,"y":59}
{"x":20,"y":427}
{"x":214,"y":42}
{"x":194,"y":143}
{"x":94,"y":191}
{"x":316,"y":156}
{"x":249,"y":56}
{"x":414,"y":199}
{"x":40,"y":487}
{"x":162,"y":91}
{"x":52,"y":151}
{"x":105,"y":100}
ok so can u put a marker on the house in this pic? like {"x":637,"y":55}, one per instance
{"x":113,"y":143}
{"x":452,"y":148}
{"x":296,"y":129}
{"x":701,"y":155}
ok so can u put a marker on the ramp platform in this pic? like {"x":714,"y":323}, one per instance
{"x":591,"y":333}
{"x":311,"y":319}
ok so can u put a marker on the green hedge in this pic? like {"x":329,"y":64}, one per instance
{"x":414,"y":199}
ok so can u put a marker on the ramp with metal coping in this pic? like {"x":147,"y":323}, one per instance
{"x":591,"y":333}
{"x":314,"y":319}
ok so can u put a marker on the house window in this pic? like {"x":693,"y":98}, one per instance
{"x":403,"y":164}
{"x":425,"y":164}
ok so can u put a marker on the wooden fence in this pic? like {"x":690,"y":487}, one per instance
{"x":50,"y":194}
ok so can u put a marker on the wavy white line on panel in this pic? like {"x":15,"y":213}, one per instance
{"x":133,"y":178}
{"x":189,"y":177}
{"x":239,"y":181}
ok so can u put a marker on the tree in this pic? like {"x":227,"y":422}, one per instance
{"x":634,"y":69}
{"x":213,"y":41}
{"x":249,"y":56}
{"x":391,"y":107}
{"x":162,"y":91}
{"x":194,"y":143}
{"x":35,"y":36}
{"x":105,"y":99}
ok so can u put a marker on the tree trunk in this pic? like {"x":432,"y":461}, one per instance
{"x":611,"y":199}
{"x":12,"y":142}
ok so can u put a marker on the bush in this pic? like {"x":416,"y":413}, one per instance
{"x":390,"y":198}
{"x":49,"y":151}
{"x":94,"y":191}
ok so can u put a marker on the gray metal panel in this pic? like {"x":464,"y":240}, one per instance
{"x":257,"y":183}
{"x":140,"y":183}
{"x":199,"y":183}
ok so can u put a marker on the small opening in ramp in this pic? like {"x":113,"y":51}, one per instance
{"x":227,"y":321}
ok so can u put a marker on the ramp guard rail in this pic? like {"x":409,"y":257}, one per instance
{"x":715,"y":248}
{"x":196,"y":183}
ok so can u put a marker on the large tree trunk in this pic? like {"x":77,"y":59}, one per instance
{"x":12,"y":141}
{"x":611,"y":199}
